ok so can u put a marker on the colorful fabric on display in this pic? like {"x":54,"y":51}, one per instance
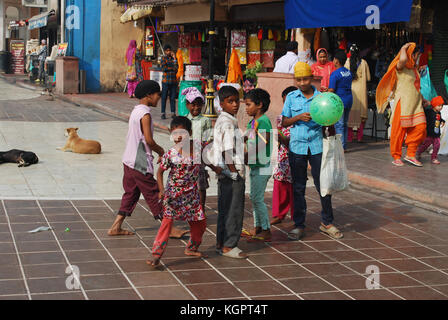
{"x":184,"y":40}
{"x":253,"y":43}
{"x":253,"y":57}
{"x":238,"y":38}
{"x":185,"y":55}
{"x":235,"y":74}
{"x":267,"y":58}
{"x":241,"y":55}
{"x":195,"y":55}
{"x":268,"y":45}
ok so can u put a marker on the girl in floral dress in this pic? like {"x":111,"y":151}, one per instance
{"x":282,"y":196}
{"x":181,"y":199}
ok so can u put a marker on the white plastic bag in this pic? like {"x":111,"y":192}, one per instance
{"x":333,"y":172}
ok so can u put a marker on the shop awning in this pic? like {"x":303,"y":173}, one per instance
{"x":133,"y":14}
{"x":40,"y":20}
{"x":344,"y":13}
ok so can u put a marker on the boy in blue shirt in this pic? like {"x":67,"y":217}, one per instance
{"x":305,"y":146}
{"x":341,"y":84}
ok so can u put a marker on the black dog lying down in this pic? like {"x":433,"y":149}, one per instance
{"x":23,"y":158}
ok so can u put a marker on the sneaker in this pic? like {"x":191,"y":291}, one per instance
{"x":398,"y":163}
{"x":163,"y":116}
{"x":296,"y":234}
{"x":435,"y":161}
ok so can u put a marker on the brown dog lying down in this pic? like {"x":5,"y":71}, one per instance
{"x":78,"y":145}
{"x":23,"y":158}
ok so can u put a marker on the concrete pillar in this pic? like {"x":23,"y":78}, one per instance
{"x":2,"y":25}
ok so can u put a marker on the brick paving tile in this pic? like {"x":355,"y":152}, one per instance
{"x":37,"y":246}
{"x":40,"y":236}
{"x":67,"y":218}
{"x":131,"y":253}
{"x":97,"y":210}
{"x":308,"y":257}
{"x":361,"y":266}
{"x":177,"y":264}
{"x":269,"y":259}
{"x":429,"y":277}
{"x":24,"y":211}
{"x":397,"y":242}
{"x":362,"y":243}
{"x":347,"y":282}
{"x":199,"y":276}
{"x":246,"y":274}
{"x":166,"y":293}
{"x":327,"y":246}
{"x":419,"y":293}
{"x":442,"y":288}
{"x":439,"y":262}
{"x":8,"y":271}
{"x":47,"y":285}
{"x":389,"y":280}
{"x":87,"y":255}
{"x":268,"y":287}
{"x":419,"y":252}
{"x":59,"y":210}
{"x":5,"y":237}
{"x":61,"y":234}
{"x":288,"y":271}
{"x":9,"y":287}
{"x":327,"y":269}
{"x":304,"y":285}
{"x":4,"y":227}
{"x":77,"y":295}
{"x":404,"y":265}
{"x":335,"y":295}
{"x":347,"y":255}
{"x":109,"y":281}
{"x":89,"y":203}
{"x":374,"y":294}
{"x":80,"y":244}
{"x":279,"y":297}
{"x":213,"y":291}
{"x":152,"y":278}
{"x":14,"y":297}
{"x":7,"y":247}
{"x":120,"y":294}
{"x":10,"y":204}
{"x":134,"y":265}
{"x":291,"y":246}
{"x":130,"y":242}
{"x":39,"y":258}
{"x":38,"y":219}
{"x":97,"y":268}
{"x":45,"y":270}
{"x":54,"y":203}
{"x":383,"y":253}
{"x":9,"y":259}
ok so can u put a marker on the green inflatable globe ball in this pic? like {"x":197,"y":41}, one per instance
{"x":326,"y":109}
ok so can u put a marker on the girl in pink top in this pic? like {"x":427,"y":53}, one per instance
{"x":138,"y":175}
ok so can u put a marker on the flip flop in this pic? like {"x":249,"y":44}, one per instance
{"x":234,"y":253}
{"x":332,"y":231}
{"x":245,"y":233}
{"x":413,"y":162}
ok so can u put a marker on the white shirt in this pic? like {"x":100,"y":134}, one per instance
{"x":227,"y":136}
{"x":286,"y":63}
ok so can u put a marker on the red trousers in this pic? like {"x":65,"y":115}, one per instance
{"x":134,"y":184}
{"x":282,"y":199}
{"x":197,"y":229}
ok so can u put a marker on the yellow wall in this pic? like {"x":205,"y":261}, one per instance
{"x":115,"y":38}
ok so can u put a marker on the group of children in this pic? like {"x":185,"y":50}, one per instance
{"x":227,"y":152}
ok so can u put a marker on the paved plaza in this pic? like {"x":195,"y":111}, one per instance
{"x":78,"y":196}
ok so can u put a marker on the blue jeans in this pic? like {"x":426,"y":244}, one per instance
{"x":171,"y":89}
{"x":341,"y":127}
{"x":299,"y":166}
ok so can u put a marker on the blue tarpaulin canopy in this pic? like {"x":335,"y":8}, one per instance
{"x":344,"y":13}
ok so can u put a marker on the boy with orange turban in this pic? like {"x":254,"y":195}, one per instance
{"x":402,"y":82}
{"x":433,"y":123}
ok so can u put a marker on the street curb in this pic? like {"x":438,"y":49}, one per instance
{"x":430,"y":197}
{"x":103,"y":108}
